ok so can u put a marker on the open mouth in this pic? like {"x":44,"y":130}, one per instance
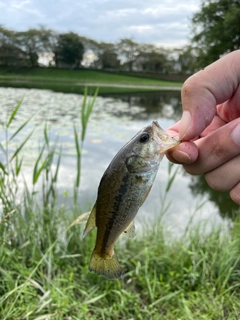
{"x":163,"y":139}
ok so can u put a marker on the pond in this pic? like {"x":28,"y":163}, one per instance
{"x":114,"y":121}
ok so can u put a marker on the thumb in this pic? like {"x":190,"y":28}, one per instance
{"x":199,"y":109}
{"x":203,"y":91}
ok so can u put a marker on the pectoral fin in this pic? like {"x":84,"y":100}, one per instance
{"x":130,"y":231}
{"x":91,"y":223}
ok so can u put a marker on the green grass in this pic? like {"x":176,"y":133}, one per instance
{"x":80,"y":75}
{"x":44,"y":276}
{"x":73,"y":81}
{"x":44,"y":260}
{"x":70,"y":87}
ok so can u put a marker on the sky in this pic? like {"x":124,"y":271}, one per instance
{"x":161,"y":22}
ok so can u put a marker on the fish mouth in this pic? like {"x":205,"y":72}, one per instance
{"x":164,"y":140}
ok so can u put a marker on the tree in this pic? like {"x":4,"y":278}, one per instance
{"x":185,"y":61}
{"x":109,"y":60}
{"x":107,"y":56}
{"x":49,"y":41}
{"x":91,"y":51}
{"x":216,"y":29}
{"x":89,"y":44}
{"x":30,"y":42}
{"x":70,"y":49}
{"x":152,"y":59}
{"x":128,"y":50}
{"x":10,"y":54}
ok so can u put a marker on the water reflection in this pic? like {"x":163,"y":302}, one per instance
{"x":164,"y":104}
{"x":113,"y":122}
{"x":226,"y":207}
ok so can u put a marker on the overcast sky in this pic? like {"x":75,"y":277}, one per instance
{"x":163,"y":22}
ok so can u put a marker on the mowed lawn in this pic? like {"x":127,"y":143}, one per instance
{"x":67,"y":80}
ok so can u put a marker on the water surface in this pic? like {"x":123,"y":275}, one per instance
{"x":114,"y":121}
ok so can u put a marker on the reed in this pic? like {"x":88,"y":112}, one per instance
{"x":86,"y":111}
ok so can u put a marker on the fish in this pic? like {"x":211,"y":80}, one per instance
{"x":123,"y":189}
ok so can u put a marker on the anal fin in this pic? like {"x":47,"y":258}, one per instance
{"x":130,"y":231}
{"x":91,"y":223}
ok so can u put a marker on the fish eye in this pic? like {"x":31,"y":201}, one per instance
{"x":144,"y":137}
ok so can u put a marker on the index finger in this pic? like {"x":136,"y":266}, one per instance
{"x":203,"y":91}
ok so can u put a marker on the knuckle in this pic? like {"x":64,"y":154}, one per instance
{"x":191,"y":169}
{"x":235,"y":194}
{"x":188,"y":86}
{"x":213,"y":182}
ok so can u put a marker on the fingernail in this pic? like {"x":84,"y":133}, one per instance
{"x":185,"y":157}
{"x":185,"y":124}
{"x":236,"y":134}
{"x":180,"y":156}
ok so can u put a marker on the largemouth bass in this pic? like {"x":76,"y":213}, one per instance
{"x":123,"y":188}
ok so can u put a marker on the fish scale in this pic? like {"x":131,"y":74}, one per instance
{"x":123,"y":188}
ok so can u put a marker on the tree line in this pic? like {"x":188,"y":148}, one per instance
{"x":68,"y":49}
{"x":215,"y":30}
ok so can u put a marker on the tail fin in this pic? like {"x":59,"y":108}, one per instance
{"x":108,"y":267}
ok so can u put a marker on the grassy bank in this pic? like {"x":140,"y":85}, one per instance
{"x":44,"y":261}
{"x":45,"y":275}
{"x":73,"y":81}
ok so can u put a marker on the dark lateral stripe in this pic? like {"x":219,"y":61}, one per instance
{"x":117,"y":202}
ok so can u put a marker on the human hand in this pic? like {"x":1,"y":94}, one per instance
{"x":210,"y":125}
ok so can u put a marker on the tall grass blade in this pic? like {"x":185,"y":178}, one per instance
{"x":46,"y":134}
{"x":86,"y":111}
{"x":170,"y":166}
{"x":91,"y":104}
{"x":171,"y":179}
{"x":57,"y":167}
{"x":22,"y":145}
{"x":93,"y":300}
{"x":36,"y":171}
{"x":20,"y":128}
{"x":165,"y":298}
{"x":14,"y":113}
{"x":3,"y":149}
{"x":79,"y":219}
{"x":18,"y":165}
{"x":85,"y":114}
{"x":78,"y":149}
{"x":84,"y":103}
{"x":2,"y":167}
